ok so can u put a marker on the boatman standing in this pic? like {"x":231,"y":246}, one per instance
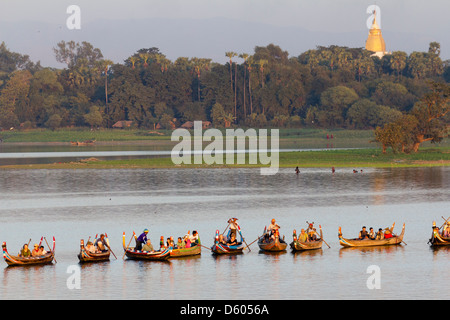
{"x":273,"y":226}
{"x":141,"y":240}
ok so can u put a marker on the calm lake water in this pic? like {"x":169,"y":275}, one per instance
{"x":76,"y":204}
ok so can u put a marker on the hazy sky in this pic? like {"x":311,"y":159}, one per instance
{"x":413,"y":18}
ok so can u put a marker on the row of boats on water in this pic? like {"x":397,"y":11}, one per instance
{"x":269,"y":241}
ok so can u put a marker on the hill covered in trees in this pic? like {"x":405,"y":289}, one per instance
{"x":332,"y":87}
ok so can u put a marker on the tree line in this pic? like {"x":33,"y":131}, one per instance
{"x":330,"y":87}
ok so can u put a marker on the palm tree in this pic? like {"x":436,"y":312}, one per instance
{"x":231,"y":54}
{"x":262,"y":63}
{"x":103,"y":66}
{"x":199,"y":65}
{"x":133,"y":60}
{"x":398,"y":62}
{"x":245,"y":57}
{"x":144,"y":57}
{"x":250,"y":62}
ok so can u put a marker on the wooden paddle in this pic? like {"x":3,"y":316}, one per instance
{"x":252,"y":243}
{"x":320,"y":227}
{"x":106,"y":235}
{"x":240,"y":233}
{"x":205,"y":247}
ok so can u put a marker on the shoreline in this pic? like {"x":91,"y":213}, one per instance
{"x":350,"y":158}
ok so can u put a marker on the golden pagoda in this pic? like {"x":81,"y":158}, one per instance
{"x":375,"y":41}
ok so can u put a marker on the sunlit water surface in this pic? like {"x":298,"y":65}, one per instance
{"x":76,"y":204}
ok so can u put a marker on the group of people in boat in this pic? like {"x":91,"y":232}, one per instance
{"x":272,"y":232}
{"x":36,"y":252}
{"x":143,"y":243}
{"x":446,"y":230}
{"x":230,"y":239}
{"x":308,"y":235}
{"x":371,"y":235}
{"x":100,"y":245}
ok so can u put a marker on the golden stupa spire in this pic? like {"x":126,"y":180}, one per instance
{"x":375,"y":41}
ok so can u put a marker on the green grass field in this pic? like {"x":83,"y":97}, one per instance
{"x":360,"y":158}
{"x":368,"y":153}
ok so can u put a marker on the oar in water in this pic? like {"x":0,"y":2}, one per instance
{"x":240,"y":233}
{"x":110,"y":247}
{"x":321,"y":236}
{"x":252,"y":243}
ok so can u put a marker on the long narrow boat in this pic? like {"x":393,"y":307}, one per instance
{"x":395,"y":240}
{"x":223,"y":248}
{"x":133,"y":254}
{"x":271,"y":244}
{"x":303,"y":246}
{"x":437,"y":240}
{"x":185,"y":252}
{"x":88,"y":256}
{"x":29,"y":261}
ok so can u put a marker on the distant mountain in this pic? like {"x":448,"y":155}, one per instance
{"x":206,"y":38}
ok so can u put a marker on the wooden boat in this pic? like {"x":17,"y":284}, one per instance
{"x":29,"y":261}
{"x":303,"y":246}
{"x":395,"y":240}
{"x":275,"y":244}
{"x":185,"y":252}
{"x":82,"y":143}
{"x":133,"y":254}
{"x":437,"y":239}
{"x":87,"y":256}
{"x":223,"y":248}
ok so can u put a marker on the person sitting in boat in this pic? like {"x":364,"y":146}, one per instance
{"x":371,"y":234}
{"x":232,"y":241}
{"x":170,"y":243}
{"x":187,"y":241}
{"x":312,"y":235}
{"x":90,"y":247}
{"x":194,"y":238}
{"x":275,"y":234}
{"x":303,"y":236}
{"x":387,"y":233}
{"x":101,"y":243}
{"x":222,"y":239}
{"x":148,"y":247}
{"x":25,"y":252}
{"x":180,"y":243}
{"x":380,"y":234}
{"x":446,"y":230}
{"x":272,"y":227}
{"x":363,"y":234}
{"x":35,"y":252}
{"x":141,"y":240}
{"x":42,"y":251}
